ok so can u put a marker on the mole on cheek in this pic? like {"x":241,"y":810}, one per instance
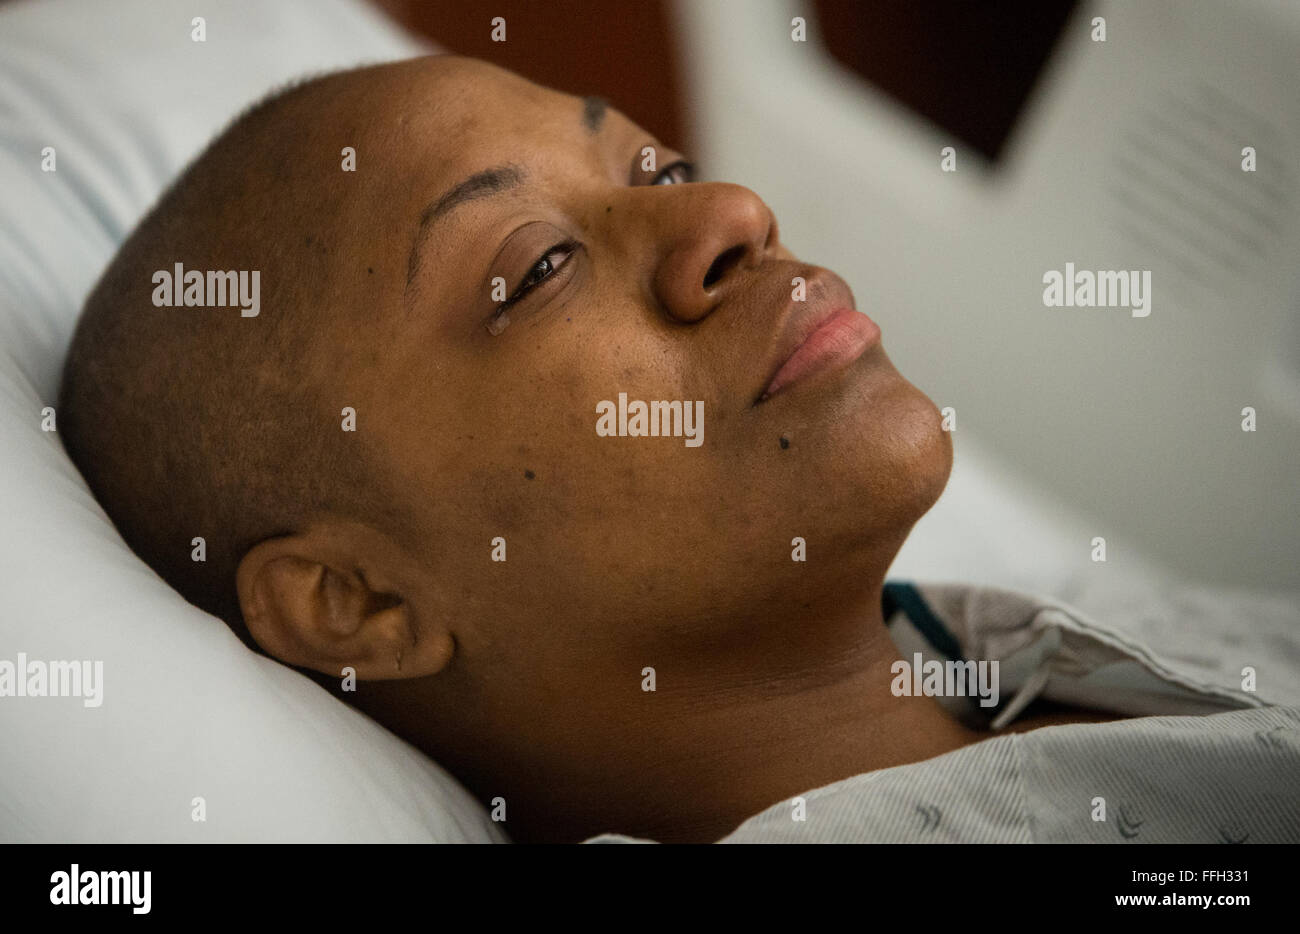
{"x":528,"y":474}
{"x":785,"y":442}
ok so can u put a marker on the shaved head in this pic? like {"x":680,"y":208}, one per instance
{"x":199,"y":422}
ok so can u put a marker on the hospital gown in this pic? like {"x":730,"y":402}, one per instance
{"x":1212,"y":756}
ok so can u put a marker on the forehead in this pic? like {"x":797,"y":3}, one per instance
{"x":437,"y":121}
{"x":468,"y":112}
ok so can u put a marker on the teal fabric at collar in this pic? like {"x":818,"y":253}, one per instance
{"x":901,"y":596}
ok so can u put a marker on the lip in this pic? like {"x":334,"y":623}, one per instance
{"x":818,"y":335}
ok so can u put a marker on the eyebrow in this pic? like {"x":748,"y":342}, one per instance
{"x":491,"y":181}
{"x":486,"y":183}
{"x":482,"y":184}
{"x":593,"y":112}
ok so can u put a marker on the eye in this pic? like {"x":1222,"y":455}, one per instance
{"x":555,"y":257}
{"x":679,"y":173}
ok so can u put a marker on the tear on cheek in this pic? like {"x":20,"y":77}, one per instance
{"x":497,"y":323}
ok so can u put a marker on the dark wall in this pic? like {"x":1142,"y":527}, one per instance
{"x":967,"y":65}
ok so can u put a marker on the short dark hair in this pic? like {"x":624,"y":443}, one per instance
{"x":199,"y":422}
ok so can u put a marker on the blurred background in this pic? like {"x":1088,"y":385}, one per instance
{"x":1123,"y":153}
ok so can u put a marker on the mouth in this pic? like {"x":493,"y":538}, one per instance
{"x":820,"y":334}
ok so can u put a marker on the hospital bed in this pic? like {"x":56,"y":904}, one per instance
{"x":191,"y":723}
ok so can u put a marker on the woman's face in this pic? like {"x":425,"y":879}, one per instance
{"x":612,"y":278}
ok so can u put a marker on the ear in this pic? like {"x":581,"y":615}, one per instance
{"x":310,"y":599}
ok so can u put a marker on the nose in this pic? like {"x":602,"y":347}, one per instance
{"x":710,"y":233}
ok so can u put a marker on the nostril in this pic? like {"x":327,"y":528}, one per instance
{"x":725,"y":261}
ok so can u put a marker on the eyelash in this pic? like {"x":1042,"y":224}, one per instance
{"x":525,"y":287}
{"x":571,"y":246}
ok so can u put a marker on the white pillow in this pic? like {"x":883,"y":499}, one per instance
{"x":125,"y":98}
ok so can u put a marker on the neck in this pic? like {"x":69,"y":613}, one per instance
{"x":727,"y":732}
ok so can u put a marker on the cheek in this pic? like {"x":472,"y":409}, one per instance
{"x":575,"y":506}
{"x":538,"y":411}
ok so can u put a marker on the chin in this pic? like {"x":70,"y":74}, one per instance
{"x":898,"y":436}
